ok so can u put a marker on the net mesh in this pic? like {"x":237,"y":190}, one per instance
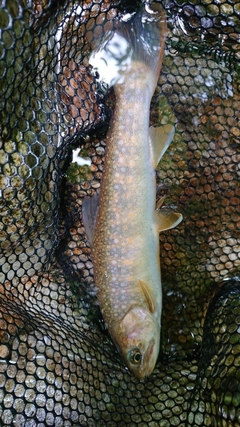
{"x":58,"y":366}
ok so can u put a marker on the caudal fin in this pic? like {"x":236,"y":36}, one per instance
{"x":141,"y":39}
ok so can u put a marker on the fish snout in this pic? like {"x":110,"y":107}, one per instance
{"x":148,"y":361}
{"x":150,"y":358}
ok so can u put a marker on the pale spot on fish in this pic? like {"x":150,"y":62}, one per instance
{"x":129,"y":179}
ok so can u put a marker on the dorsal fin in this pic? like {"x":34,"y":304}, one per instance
{"x":167,"y":219}
{"x":160,"y":138}
{"x":89,"y":215}
{"x":148,"y":296}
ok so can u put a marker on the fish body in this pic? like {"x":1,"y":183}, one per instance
{"x":125,"y":241}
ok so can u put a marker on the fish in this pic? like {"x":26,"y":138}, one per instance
{"x":123,"y":222}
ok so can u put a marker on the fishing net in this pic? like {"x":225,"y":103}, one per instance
{"x":58,"y":365}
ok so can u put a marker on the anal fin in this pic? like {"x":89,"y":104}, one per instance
{"x":160,"y":138}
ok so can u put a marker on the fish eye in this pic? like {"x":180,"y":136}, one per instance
{"x":135,"y":356}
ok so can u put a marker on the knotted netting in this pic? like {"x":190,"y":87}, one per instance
{"x":58,"y":366}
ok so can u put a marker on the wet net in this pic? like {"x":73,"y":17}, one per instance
{"x":58,"y":365}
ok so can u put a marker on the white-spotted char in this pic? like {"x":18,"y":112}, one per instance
{"x":125,"y":234}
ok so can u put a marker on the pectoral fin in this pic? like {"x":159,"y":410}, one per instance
{"x":89,"y":215}
{"x":167,"y":219}
{"x":148,"y":296}
{"x":160,"y":139}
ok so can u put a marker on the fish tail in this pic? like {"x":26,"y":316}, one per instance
{"x":140,"y":39}
{"x":146,"y":33}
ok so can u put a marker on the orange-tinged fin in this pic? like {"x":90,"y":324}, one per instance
{"x":160,"y":138}
{"x":167,"y":219}
{"x":148,"y":296}
{"x":89,"y":215}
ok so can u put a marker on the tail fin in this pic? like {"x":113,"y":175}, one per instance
{"x":141,"y":39}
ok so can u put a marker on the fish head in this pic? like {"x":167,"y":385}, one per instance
{"x":137,"y":337}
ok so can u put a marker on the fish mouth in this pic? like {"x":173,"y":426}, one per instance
{"x":147,"y":364}
{"x":148,"y":357}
